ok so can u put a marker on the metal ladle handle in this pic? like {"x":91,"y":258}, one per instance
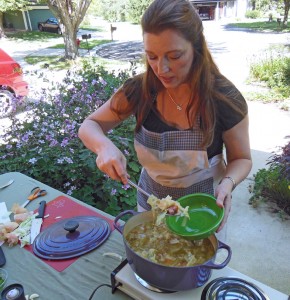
{"x":145,"y":193}
{"x":138,"y":188}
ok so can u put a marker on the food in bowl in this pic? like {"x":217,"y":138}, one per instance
{"x":164,"y":206}
{"x":159,"y":245}
{"x":205,"y":217}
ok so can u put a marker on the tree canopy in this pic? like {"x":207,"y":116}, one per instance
{"x":10,"y":5}
{"x":136,"y":8}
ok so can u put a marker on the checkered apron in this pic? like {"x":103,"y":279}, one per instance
{"x":174,"y":164}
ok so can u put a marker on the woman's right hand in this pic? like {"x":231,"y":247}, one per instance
{"x":112,"y":162}
{"x":92,"y":132}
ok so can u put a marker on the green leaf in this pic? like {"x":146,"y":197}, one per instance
{"x":134,"y":166}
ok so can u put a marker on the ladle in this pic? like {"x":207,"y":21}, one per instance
{"x":6,"y":184}
{"x":138,"y":188}
{"x":146,"y":194}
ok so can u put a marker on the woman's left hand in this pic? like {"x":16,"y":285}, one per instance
{"x":223,"y":194}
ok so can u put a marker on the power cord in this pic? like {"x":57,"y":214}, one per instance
{"x":101,"y":285}
{"x":114,"y":283}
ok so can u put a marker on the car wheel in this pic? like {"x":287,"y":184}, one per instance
{"x":6,"y":103}
{"x":40,"y":28}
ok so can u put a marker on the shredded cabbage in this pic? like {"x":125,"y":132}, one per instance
{"x":161,"y":207}
{"x":23,"y":231}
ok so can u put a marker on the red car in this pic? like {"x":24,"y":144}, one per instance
{"x":12,"y":85}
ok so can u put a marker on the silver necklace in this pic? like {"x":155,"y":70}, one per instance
{"x":179,"y":107}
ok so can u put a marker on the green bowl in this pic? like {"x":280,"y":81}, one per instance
{"x":205,"y":217}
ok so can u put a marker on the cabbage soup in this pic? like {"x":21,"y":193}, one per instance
{"x":161,"y":246}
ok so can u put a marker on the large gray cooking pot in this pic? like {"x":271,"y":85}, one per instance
{"x":165,"y":277}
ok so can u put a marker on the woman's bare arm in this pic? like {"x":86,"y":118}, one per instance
{"x":239,"y":163}
{"x":92,"y":132}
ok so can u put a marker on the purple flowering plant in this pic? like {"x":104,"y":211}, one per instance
{"x":42,"y":141}
{"x":272,"y":185}
{"x":9,"y":102}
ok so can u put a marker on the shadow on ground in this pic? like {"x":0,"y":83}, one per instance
{"x":134,"y":50}
{"x":124,"y":51}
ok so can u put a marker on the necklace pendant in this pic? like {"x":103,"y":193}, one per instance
{"x":179,"y":107}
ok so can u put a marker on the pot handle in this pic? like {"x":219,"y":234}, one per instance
{"x":120,"y":227}
{"x":212,"y":265}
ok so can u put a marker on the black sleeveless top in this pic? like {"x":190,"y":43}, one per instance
{"x":226,"y":118}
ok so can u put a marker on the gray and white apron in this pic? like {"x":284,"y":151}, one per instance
{"x":174,"y":164}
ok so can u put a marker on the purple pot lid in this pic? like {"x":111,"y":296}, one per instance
{"x":71,"y":237}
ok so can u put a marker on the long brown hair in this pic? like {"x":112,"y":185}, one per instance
{"x":204,"y":77}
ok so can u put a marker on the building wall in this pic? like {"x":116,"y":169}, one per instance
{"x":242,"y":6}
{"x":38,"y":15}
{"x":27,"y":20}
{"x":230,"y":9}
{"x":14,"y":20}
{"x":224,"y":9}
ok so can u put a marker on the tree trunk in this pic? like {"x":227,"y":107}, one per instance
{"x":286,"y":12}
{"x":70,"y":38}
{"x":2,"y":32}
{"x":70,"y":14}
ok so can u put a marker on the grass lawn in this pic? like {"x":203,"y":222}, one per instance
{"x":32,"y":36}
{"x":57,"y":62}
{"x":85,"y":45}
{"x":260,"y":26}
{"x":92,"y":28}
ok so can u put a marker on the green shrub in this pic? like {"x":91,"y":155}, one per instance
{"x":135,"y":9}
{"x":273,"y":184}
{"x":113,"y":11}
{"x":275,"y":72}
{"x":253,"y":14}
{"x":42,"y":142}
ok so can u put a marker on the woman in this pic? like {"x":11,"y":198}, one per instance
{"x":186,"y":112}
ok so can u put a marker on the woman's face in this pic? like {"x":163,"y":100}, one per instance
{"x":169,"y":55}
